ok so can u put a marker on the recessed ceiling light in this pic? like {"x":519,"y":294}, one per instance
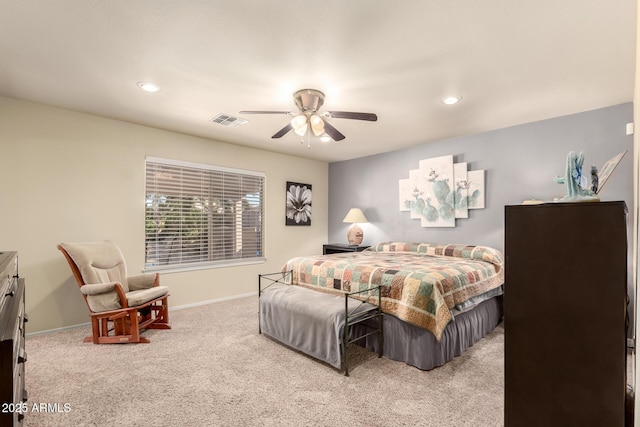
{"x":450,"y":100}
{"x":148,"y":87}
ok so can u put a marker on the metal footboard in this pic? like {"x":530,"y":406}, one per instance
{"x":283,"y":278}
{"x":359,"y":315}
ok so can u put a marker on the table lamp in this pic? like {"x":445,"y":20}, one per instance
{"x":355,"y":234}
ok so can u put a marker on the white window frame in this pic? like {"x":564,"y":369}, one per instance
{"x":219,"y":225}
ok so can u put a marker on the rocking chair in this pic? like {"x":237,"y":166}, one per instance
{"x":120,"y":307}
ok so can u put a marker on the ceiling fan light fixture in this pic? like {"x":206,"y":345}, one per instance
{"x":302,"y":130}
{"x":299,"y":124}
{"x":317,"y":124}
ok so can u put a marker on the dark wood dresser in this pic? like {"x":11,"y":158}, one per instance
{"x":13,"y":395}
{"x":565,"y":305}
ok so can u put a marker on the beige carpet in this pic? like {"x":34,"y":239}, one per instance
{"x":214,"y":369}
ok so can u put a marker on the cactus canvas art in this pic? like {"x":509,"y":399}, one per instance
{"x":440,"y":191}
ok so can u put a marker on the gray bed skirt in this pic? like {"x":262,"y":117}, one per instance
{"x":418,"y":347}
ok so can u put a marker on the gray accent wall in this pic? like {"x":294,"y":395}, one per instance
{"x":519,"y":162}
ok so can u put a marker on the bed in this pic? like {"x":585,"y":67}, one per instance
{"x":437,"y":299}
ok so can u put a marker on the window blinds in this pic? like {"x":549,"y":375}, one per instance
{"x":199,"y":215}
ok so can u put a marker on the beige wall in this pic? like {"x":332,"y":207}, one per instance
{"x":68,"y":176}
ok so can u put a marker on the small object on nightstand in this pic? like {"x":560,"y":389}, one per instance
{"x":335,"y":248}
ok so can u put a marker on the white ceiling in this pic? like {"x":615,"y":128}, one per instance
{"x":512,"y":62}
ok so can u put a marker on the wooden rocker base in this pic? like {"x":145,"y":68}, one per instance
{"x":116,"y":340}
{"x":124,"y":326}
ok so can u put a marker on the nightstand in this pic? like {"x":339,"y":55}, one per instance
{"x":335,"y":248}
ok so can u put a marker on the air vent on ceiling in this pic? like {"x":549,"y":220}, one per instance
{"x":227,"y":120}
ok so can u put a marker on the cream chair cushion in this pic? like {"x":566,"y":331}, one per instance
{"x":109,"y":300}
{"x":99,"y":262}
{"x":102,"y":265}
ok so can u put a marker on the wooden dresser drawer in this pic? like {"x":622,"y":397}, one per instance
{"x":13,"y":355}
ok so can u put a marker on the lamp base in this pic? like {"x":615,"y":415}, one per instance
{"x":355,"y":235}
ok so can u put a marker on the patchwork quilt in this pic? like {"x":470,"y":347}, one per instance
{"x":421,"y":282}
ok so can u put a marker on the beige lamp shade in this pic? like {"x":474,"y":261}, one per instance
{"x":355,"y":233}
{"x":355,"y":215}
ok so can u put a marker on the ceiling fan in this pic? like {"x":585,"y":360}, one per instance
{"x":309,"y":102}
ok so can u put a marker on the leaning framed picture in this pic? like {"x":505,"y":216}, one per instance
{"x":298,"y":208}
{"x":607,"y":170}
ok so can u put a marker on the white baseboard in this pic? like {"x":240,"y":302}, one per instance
{"x":50,"y":331}
{"x":212,"y":301}
{"x":180,"y":307}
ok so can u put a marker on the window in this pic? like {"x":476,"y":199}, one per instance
{"x":199,"y":216}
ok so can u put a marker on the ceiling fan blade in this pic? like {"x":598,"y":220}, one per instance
{"x":282,"y":132}
{"x":333,"y":132}
{"x":266,"y":112}
{"x":370,"y":117}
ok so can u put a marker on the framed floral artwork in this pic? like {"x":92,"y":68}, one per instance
{"x":298,"y":209}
